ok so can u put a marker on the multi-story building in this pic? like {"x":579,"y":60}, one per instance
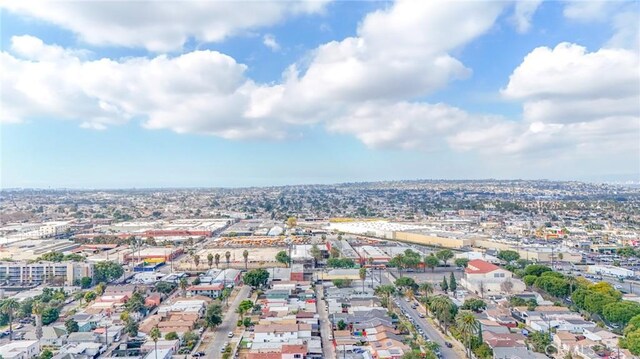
{"x":44,"y":272}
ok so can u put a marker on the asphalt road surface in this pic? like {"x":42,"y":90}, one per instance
{"x":432,"y":332}
{"x":328,"y":351}
{"x":228,"y":325}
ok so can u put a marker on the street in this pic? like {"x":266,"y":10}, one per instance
{"x":228,"y":325}
{"x":328,"y":351}
{"x":432,"y":332}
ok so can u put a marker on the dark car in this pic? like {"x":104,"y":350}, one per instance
{"x":449,"y":345}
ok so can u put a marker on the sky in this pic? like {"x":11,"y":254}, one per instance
{"x":114,"y":94}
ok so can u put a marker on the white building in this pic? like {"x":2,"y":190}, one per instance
{"x":20,"y":349}
{"x":45,"y":272}
{"x":281,"y":333}
{"x":484,"y":278}
{"x":610,"y":271}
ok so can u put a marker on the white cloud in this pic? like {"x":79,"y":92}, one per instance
{"x":198,"y":92}
{"x":524,"y":11}
{"x":160,"y":25}
{"x":270,"y":41}
{"x":622,"y":15}
{"x":569,"y":84}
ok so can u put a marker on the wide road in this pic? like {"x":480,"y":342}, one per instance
{"x":432,"y":332}
{"x":228,"y":325}
{"x":328,"y":351}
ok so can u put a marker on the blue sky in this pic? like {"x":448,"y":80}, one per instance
{"x":193,"y":94}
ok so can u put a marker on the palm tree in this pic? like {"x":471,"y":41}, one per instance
{"x":37,"y":309}
{"x":468,"y":326}
{"x":425,"y":289}
{"x":408,"y":293}
{"x":9,"y":306}
{"x":155,"y":335}
{"x":183,"y":286}
{"x":217,"y":259}
{"x":370,"y":262}
{"x":362,"y":273}
{"x":385,"y":291}
{"x":442,"y":306}
{"x":227,"y":256}
{"x":210,"y":260}
{"x":245,"y":255}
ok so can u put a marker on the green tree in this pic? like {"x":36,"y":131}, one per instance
{"x":50,"y":315}
{"x":341,"y":325}
{"x":243,"y":307}
{"x":227,"y":257}
{"x":171,"y":336}
{"x":425,"y":289}
{"x":216,"y":258}
{"x":154,"y":334}
{"x":9,"y":306}
{"x":46,"y":354}
{"x":165,"y":287}
{"x":183,"y":283}
{"x":385,"y":292}
{"x":461,"y":262}
{"x":85,"y":282}
{"x":453,"y":285}
{"x":37,"y":308}
{"x":362,"y":273}
{"x":210,"y":260}
{"x":131,"y":327}
{"x":107,"y":271}
{"x":341,"y":283}
{"x":406,"y":282}
{"x":444,"y":310}
{"x":431,"y":262}
{"x":468,"y":327}
{"x":256,"y":277}
{"x":245,"y":256}
{"x":247,"y":322}
{"x":508,"y":255}
{"x":631,"y":341}
{"x":334,"y":252}
{"x":213,"y":315}
{"x":444,"y":285}
{"x":536,"y":269}
{"x":621,"y":312}
{"x":474,"y":304}
{"x":529,"y":280}
{"x":52,"y":257}
{"x":71,"y":325}
{"x":135,"y":303}
{"x":340,"y":263}
{"x":283,"y":257}
{"x":444,"y":255}
{"x":196,"y":260}
{"x":316,"y":253}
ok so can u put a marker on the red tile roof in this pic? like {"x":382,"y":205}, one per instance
{"x":478,"y":266}
{"x":294,"y":349}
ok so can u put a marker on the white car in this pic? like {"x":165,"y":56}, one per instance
{"x":230,"y":335}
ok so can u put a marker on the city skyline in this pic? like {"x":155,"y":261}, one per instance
{"x":285,"y":93}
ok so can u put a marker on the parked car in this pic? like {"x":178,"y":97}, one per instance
{"x":230,"y":335}
{"x":448,"y":344}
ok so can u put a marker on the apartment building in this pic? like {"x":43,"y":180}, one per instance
{"x":44,"y":272}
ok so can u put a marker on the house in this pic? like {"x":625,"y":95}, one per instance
{"x":294,"y":351}
{"x":564,"y":341}
{"x":80,"y":351}
{"x":520,"y":353}
{"x":159,"y":354}
{"x":503,"y":340}
{"x":172,"y":345}
{"x":20,"y":349}
{"x":281,"y":332}
{"x":207,"y":290}
{"x":83,"y":337}
{"x":484,"y":278}
{"x":51,"y":336}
